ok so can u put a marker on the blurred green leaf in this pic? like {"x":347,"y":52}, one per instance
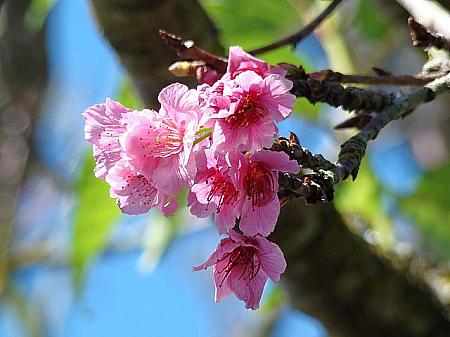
{"x":128,"y":95}
{"x":251,"y":23}
{"x":161,"y":233}
{"x":274,"y":300}
{"x":429,"y":207}
{"x":37,"y":14}
{"x":371,"y":23}
{"x":304,"y":108}
{"x":95,"y":215}
{"x":363,"y":197}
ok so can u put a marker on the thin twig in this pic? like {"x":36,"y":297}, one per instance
{"x":334,"y":94}
{"x":397,"y":80}
{"x":353,"y":149}
{"x":300,"y":35}
{"x":423,"y":38}
{"x":188,"y":50}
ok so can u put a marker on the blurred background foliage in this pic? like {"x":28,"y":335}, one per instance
{"x":60,"y":232}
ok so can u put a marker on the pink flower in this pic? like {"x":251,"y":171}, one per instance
{"x":159,"y":145}
{"x":134,"y":193}
{"x":242,"y":265}
{"x":259,"y":185}
{"x":206,"y":74}
{"x":104,"y":124}
{"x":240,"y":61}
{"x":256,"y":104}
{"x":214,"y":190}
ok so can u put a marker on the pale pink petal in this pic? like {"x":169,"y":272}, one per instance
{"x":104,"y":160}
{"x":160,"y":147}
{"x":259,"y":220}
{"x":278,"y":71}
{"x":200,"y":209}
{"x":249,"y":291}
{"x":221,"y":285}
{"x":177,"y":98}
{"x":249,"y":80}
{"x":277,"y":161}
{"x":271,"y":258}
{"x":226,"y":218}
{"x":277,"y":85}
{"x":134,"y":193}
{"x":225,"y":246}
{"x":239,"y":60}
{"x":169,"y":207}
{"x":277,"y":96}
{"x":168,"y":177}
{"x":104,"y":122}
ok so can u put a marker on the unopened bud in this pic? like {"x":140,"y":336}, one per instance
{"x":185,"y":68}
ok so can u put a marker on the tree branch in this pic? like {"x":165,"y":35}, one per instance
{"x":353,"y":149}
{"x":430,"y":14}
{"x":349,"y":98}
{"x":188,"y":50}
{"x":396,"y":80}
{"x":423,"y":38}
{"x":294,"y":39}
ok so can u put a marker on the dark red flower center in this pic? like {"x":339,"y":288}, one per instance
{"x":243,"y":256}
{"x":223,"y":188}
{"x":259,"y":185}
{"x":247,"y":112}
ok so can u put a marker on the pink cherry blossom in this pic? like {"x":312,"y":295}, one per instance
{"x":207,"y":75}
{"x":240,"y":61}
{"x":242,"y":265}
{"x":104,"y":123}
{"x":159,"y":145}
{"x":259,"y":185}
{"x":134,"y":193}
{"x":215,"y":190}
{"x":256,"y":104}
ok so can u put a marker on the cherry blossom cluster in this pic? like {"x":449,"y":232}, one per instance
{"x":213,"y":141}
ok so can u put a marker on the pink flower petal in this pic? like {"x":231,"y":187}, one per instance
{"x":248,"y":291}
{"x":271,"y":258}
{"x":259,"y":220}
{"x":277,"y":161}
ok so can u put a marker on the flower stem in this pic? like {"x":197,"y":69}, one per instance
{"x":204,"y":133}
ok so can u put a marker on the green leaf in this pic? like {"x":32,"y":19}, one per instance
{"x":372,"y":25}
{"x":363,"y":197}
{"x":251,"y":23}
{"x":94,"y":217}
{"x":128,"y":95}
{"x":275,"y":299}
{"x":304,"y":108}
{"x":429,"y":207}
{"x":37,"y":14}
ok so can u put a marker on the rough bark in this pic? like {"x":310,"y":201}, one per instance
{"x":23,"y":78}
{"x":332,"y":273}
{"x":336,"y":276}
